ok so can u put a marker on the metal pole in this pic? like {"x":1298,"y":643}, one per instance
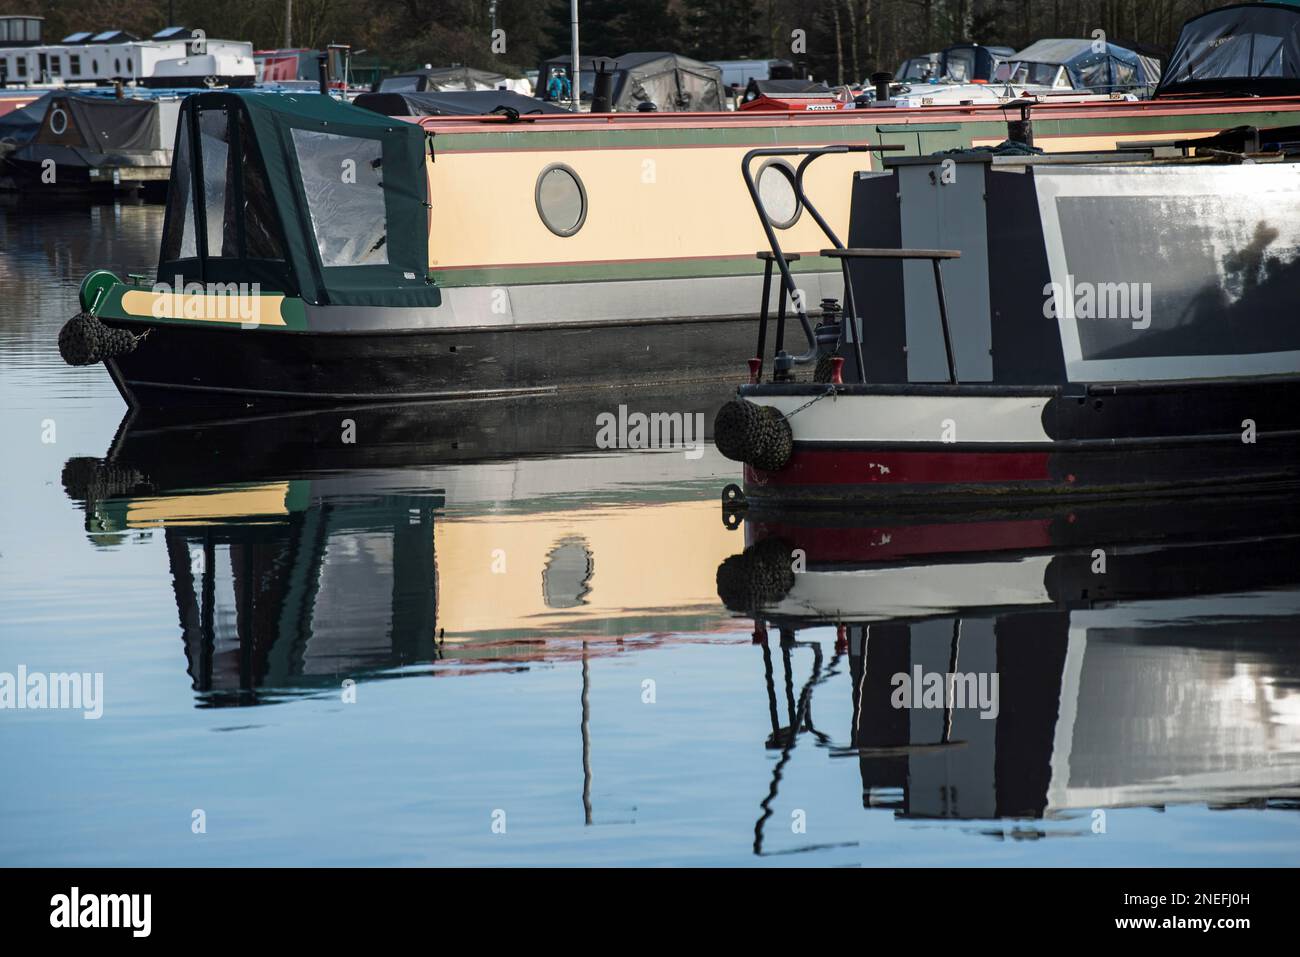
{"x":573,"y":26}
{"x":288,"y":23}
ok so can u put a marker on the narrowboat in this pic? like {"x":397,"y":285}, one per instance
{"x":1106,"y":323}
{"x":84,"y":140}
{"x":387,"y":259}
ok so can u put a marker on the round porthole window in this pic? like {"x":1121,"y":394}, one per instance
{"x":561,"y":200}
{"x":776,"y":192}
{"x":58,"y":121}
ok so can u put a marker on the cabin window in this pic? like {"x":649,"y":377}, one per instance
{"x":74,"y":64}
{"x":22,"y":67}
{"x":179,"y":240}
{"x":218,"y":206}
{"x":776,"y":193}
{"x":56,"y":65}
{"x":117,"y":66}
{"x":342,"y":177}
{"x":94,"y":66}
{"x":561,"y":199}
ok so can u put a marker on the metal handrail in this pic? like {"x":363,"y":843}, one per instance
{"x":935,"y":256}
{"x":787,"y":278}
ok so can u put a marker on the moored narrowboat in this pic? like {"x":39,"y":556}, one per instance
{"x":316,"y":252}
{"x":1107,"y":323}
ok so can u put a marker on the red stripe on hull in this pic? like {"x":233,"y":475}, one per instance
{"x":889,"y":542}
{"x":862,"y":467}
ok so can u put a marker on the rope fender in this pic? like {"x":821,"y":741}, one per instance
{"x":85,"y":340}
{"x":758,"y":435}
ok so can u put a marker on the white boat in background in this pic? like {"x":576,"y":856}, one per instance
{"x":172,"y":57}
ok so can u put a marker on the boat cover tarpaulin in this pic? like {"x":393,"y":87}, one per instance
{"x":334,"y":199}
{"x":450,"y":79}
{"x":116,"y":125}
{"x":1251,"y":49}
{"x":1093,"y":66}
{"x":17,"y":127}
{"x":671,"y":82}
{"x":473,"y":103}
{"x":88,"y":131}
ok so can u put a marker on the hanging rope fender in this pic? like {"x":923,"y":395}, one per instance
{"x":758,"y":435}
{"x":84,"y":340}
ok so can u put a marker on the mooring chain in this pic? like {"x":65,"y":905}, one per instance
{"x":813,"y":401}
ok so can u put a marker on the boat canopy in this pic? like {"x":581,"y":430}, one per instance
{"x":1094,"y":65}
{"x":1251,"y":49}
{"x":302,"y":194}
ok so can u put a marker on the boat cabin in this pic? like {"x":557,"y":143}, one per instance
{"x":302,"y":197}
{"x":1080,"y":267}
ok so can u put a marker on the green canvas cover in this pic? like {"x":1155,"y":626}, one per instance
{"x":301,"y":193}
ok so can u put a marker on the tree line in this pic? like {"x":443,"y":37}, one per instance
{"x":840,"y":41}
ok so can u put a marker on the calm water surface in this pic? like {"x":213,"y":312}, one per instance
{"x":541,"y":639}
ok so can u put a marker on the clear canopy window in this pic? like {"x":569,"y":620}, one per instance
{"x":342,"y":177}
{"x":239,"y":218}
{"x":218,"y":205}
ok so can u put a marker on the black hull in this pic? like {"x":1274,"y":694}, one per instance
{"x":223,"y":366}
{"x":167,"y":449}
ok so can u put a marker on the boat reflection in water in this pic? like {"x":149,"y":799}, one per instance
{"x":375,"y":542}
{"x":1105,"y":656}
